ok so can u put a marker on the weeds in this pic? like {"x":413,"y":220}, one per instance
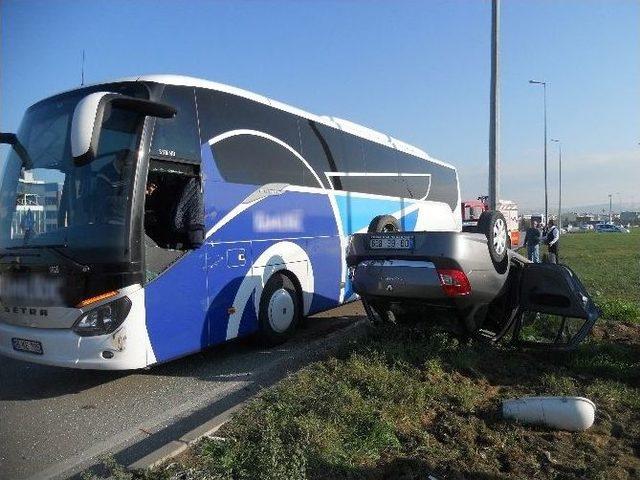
{"x":620,"y":310}
{"x":410,"y":401}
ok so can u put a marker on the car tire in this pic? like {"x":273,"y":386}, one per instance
{"x":280,"y":310}
{"x":494,"y":226}
{"x":384,"y":223}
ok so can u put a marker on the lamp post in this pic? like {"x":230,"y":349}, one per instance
{"x":611,"y":205}
{"x":559,"y":181}
{"x":546,"y":201}
{"x":494,"y":113}
{"x":610,"y":217}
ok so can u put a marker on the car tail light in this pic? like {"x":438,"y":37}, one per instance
{"x":454,"y":283}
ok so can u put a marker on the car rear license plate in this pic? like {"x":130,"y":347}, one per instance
{"x":391,"y":242}
{"x":31,"y":346}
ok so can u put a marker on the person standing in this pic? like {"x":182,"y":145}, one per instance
{"x":27,"y":223}
{"x":553,"y":241}
{"x":532,"y":241}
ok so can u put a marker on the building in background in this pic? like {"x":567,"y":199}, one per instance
{"x":569,"y":218}
{"x":630,"y":218}
{"x":37,"y":204}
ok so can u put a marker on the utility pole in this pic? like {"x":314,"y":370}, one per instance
{"x":546,"y":196}
{"x":494,"y":110}
{"x":82,"y":70}
{"x":610,"y":215}
{"x":559,"y":182}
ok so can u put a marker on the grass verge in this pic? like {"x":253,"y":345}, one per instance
{"x":412,"y":401}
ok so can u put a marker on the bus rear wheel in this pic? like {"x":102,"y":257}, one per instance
{"x":280,"y":310}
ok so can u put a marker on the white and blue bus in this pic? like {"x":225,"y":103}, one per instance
{"x":180,"y":213}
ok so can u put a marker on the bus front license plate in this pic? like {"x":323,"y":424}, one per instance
{"x":31,"y":346}
{"x":395,"y":242}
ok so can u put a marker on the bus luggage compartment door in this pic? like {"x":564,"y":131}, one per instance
{"x":556,"y":311}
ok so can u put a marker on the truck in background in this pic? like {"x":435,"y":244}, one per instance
{"x":472,"y":209}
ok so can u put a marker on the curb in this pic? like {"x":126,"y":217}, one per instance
{"x":316,"y":350}
{"x":176,"y":447}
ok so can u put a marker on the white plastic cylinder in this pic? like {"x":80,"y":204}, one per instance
{"x":564,"y":413}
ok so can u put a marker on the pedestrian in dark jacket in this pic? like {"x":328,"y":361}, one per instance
{"x":532,"y":241}
{"x":188,"y":216}
{"x":553,"y":241}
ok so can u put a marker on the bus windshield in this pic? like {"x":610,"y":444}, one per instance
{"x":49,"y":201}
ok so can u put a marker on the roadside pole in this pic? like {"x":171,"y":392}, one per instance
{"x":494,"y":113}
{"x":546,"y":196}
{"x":560,"y":188}
{"x":559,"y":181}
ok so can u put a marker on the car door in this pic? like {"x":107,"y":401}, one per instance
{"x":556,"y":310}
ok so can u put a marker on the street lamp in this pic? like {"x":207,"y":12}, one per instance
{"x":494,"y":109}
{"x":610,"y":217}
{"x":546,"y":202}
{"x":610,"y":206}
{"x":559,"y":181}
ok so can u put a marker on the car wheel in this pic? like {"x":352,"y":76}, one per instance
{"x":384,"y":223}
{"x":280,"y":310}
{"x":494,"y":226}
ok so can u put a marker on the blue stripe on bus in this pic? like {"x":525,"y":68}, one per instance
{"x":357,"y":212}
{"x":249,"y":322}
{"x":409,"y":221}
{"x":288,"y":215}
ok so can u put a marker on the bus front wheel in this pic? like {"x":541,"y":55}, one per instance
{"x":280,"y":310}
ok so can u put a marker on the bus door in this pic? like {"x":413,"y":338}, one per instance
{"x":175,"y":260}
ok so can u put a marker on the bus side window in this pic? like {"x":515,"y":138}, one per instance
{"x":177,"y":137}
{"x":257,"y":160}
{"x":419,"y":181}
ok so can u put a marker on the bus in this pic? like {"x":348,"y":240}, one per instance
{"x":184,"y":213}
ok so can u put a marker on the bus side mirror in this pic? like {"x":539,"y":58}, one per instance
{"x":12,"y":139}
{"x":90,"y":112}
{"x":8,"y":138}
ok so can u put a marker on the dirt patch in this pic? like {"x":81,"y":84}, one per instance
{"x":618,"y":332}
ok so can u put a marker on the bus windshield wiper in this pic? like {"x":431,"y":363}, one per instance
{"x":18,"y":247}
{"x":54,"y":247}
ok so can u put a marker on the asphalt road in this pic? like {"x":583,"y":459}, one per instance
{"x":55,"y":422}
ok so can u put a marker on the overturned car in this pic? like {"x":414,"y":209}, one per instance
{"x":486,"y":289}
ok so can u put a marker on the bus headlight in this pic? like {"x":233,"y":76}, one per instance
{"x":103,"y":319}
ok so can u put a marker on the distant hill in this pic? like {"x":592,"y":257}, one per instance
{"x":615,"y":207}
{"x":596,"y":208}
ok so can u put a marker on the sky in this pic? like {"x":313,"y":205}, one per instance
{"x":417,"y":70}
